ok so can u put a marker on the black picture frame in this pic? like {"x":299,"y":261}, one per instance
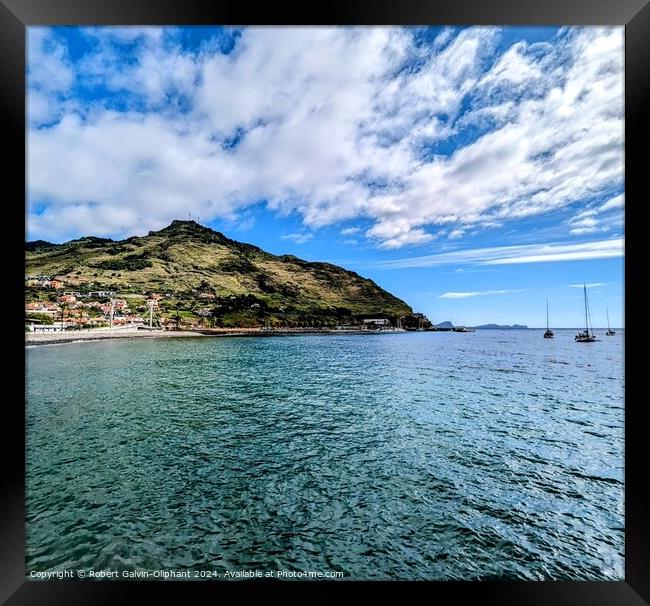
{"x":16,"y":15}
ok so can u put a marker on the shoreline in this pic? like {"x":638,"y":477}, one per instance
{"x":56,"y":338}
{"x":101,"y":334}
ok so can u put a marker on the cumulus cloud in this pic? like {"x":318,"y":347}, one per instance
{"x":331,"y":123}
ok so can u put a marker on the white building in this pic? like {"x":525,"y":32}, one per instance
{"x":44,"y":327}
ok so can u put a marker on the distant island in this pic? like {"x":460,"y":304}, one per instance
{"x":502,"y":326}
{"x":190,"y":276}
{"x":447,"y":325}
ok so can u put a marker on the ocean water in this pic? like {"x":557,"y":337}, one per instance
{"x":442,"y":456}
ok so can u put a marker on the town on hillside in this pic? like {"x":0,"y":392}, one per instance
{"x":56,"y":304}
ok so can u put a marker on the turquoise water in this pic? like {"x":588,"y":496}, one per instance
{"x":487,"y":455}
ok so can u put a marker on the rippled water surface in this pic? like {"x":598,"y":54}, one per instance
{"x":494,"y":454}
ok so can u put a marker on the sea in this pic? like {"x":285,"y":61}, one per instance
{"x":493,"y":455}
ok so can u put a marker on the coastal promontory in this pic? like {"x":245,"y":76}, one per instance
{"x":198,"y":276}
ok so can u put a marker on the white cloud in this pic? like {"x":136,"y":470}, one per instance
{"x":588,"y":285}
{"x":298,"y":237}
{"x":480,"y":293}
{"x":612,"y":203}
{"x":551,"y":150}
{"x":564,"y":253}
{"x":514,"y":67}
{"x":598,"y":218}
{"x":398,"y":233}
{"x":580,"y":231}
{"x":349,"y":231}
{"x":49,"y":66}
{"x":50,"y":76}
{"x":585,"y":225}
{"x":160,"y":71}
{"x":128,"y":34}
{"x":507,"y":255}
{"x":312,"y":119}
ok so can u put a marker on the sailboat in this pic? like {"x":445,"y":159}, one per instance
{"x":586,"y":336}
{"x":549,"y":333}
{"x":610,"y":332}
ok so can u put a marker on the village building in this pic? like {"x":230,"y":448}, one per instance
{"x":377,"y":322}
{"x":100,"y":294}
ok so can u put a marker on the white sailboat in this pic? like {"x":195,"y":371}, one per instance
{"x":610,"y":332}
{"x":549,"y":333}
{"x":587,"y":335}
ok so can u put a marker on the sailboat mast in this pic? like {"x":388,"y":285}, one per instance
{"x":546,"y":313}
{"x":608,"y":328}
{"x":586,"y":314}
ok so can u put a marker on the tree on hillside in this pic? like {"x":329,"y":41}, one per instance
{"x":44,"y":318}
{"x":177,"y":318}
{"x":64,"y":308}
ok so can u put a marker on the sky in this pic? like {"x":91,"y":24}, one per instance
{"x":473,"y":172}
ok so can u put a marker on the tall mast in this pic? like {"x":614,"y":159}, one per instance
{"x":608,"y":328}
{"x":586,"y":315}
{"x":546,"y":313}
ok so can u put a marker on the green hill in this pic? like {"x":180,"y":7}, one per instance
{"x":198,"y":270}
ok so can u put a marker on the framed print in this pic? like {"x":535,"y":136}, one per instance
{"x":334,"y":298}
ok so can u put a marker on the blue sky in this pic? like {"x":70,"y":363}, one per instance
{"x":471,"y":171}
